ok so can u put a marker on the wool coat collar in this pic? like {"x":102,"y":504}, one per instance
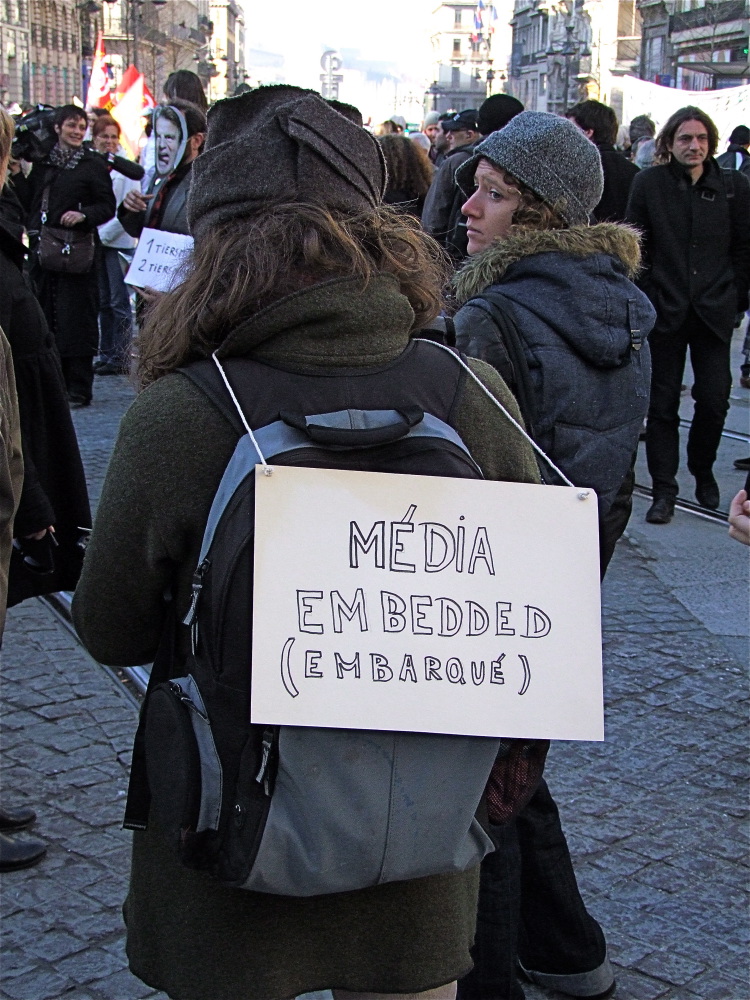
{"x":489,"y":266}
{"x":341,"y":322}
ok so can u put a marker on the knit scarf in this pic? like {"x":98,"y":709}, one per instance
{"x":66,"y":159}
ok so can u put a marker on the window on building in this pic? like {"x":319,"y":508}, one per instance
{"x":456,"y":17}
{"x":653,"y":60}
{"x":544,"y":34}
{"x":534,"y":94}
{"x":455,"y":77}
{"x":456,"y":46}
{"x":542,"y":83}
{"x":43,"y":35}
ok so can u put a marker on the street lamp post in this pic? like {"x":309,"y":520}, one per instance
{"x":435,"y":90}
{"x":569,"y":49}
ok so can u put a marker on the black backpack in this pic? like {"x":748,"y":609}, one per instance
{"x":288,"y":810}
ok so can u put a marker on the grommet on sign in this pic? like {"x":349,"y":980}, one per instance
{"x":584,"y":495}
{"x":267,"y":470}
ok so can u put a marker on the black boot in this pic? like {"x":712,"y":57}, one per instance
{"x":16,"y":819}
{"x":16,"y":854}
{"x":661,"y":510}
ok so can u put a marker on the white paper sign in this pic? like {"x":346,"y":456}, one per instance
{"x":424,"y":604}
{"x":156,"y":258}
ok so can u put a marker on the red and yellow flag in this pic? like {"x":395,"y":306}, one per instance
{"x":98,"y":95}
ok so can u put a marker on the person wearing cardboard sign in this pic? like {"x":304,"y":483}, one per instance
{"x":550,"y":302}
{"x":303,"y":282}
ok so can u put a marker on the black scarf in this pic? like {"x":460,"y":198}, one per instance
{"x":66,"y":159}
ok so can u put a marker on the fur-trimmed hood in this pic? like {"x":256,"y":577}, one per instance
{"x":489,"y":267}
{"x":574,"y":283}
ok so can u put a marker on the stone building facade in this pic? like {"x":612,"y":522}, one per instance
{"x":470,"y":47}
{"x":564,"y":51}
{"x":158,"y":36}
{"x":695,"y":44}
{"x":41,"y":50}
{"x":228,"y":48}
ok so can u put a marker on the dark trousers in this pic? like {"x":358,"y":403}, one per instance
{"x":712,"y":383}
{"x":115,"y":315}
{"x":530,"y":908}
{"x":79,"y":376}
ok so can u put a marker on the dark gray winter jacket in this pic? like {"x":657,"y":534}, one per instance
{"x":583,"y":325}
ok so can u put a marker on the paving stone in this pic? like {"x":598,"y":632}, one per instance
{"x":16,"y":964}
{"x":672,"y":968}
{"x":715,"y":986}
{"x":89,"y":965}
{"x":56,"y":944}
{"x":633,"y":986}
{"x":124,"y":986}
{"x":38,"y":985}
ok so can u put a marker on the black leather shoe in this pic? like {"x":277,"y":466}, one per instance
{"x":743,"y":464}
{"x":16,"y":854}
{"x":16,"y":819}
{"x":76,"y":401}
{"x":707,"y":493}
{"x":661,"y":511}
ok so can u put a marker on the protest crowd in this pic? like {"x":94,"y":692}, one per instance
{"x":501,"y":295}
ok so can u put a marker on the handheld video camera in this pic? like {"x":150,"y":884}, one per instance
{"x":35,"y":136}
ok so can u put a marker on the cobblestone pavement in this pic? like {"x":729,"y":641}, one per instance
{"x":656,"y":816}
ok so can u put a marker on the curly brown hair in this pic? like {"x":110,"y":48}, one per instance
{"x":409,"y":167}
{"x":246,"y":264}
{"x":533,"y":213}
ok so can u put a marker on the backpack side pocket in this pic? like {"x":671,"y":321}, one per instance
{"x":183,"y":767}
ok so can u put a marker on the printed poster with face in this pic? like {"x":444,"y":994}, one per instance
{"x":170,"y":138}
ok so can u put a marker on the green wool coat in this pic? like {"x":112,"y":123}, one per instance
{"x":188,"y":935}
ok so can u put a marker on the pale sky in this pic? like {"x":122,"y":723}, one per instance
{"x":387,"y":31}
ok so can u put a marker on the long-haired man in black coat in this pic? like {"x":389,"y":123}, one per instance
{"x":695,"y":220}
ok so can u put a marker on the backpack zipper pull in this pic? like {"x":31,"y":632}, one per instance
{"x":263,"y":777}
{"x":191,"y":616}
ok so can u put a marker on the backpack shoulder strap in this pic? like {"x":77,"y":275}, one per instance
{"x":520,"y":380}
{"x":206,"y":376}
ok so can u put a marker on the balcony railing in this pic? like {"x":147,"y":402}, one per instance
{"x":714,"y":12}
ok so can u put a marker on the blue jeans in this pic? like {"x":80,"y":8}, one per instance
{"x":115,"y":315}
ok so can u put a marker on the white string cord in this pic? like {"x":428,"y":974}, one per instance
{"x":230,"y":390}
{"x":500,"y":406}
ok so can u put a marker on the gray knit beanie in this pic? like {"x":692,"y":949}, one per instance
{"x":548,"y":154}
{"x":282,"y":143}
